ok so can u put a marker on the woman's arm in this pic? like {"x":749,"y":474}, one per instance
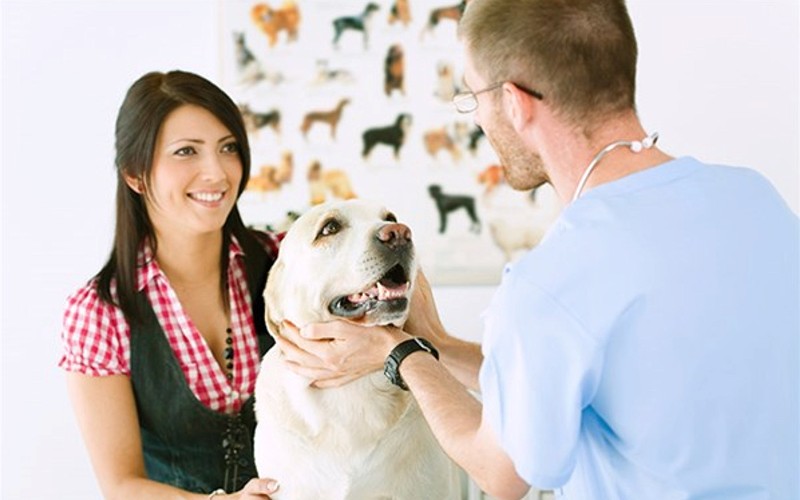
{"x":106,"y":414}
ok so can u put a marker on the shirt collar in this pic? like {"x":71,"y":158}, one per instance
{"x":147,"y":268}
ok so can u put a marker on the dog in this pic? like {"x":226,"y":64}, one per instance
{"x":400,"y":12}
{"x":331,"y":118}
{"x":249,"y":68}
{"x":355,"y":23}
{"x":366,"y":439}
{"x":322,"y":182}
{"x":272,"y":177}
{"x":447,"y":203}
{"x":394,"y":70}
{"x":474,"y":137}
{"x":272,"y":21}
{"x":327,"y":75}
{"x":491,"y":177}
{"x":254,"y":122}
{"x":452,"y":12}
{"x":394,"y":135}
{"x":446,"y":86}
{"x":439,"y":139}
{"x":518,"y":221}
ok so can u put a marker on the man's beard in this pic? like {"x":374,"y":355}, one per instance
{"x":522,"y":168}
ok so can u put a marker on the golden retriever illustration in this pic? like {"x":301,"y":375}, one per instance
{"x":272,"y":177}
{"x":330,"y":181}
{"x":366,"y":439}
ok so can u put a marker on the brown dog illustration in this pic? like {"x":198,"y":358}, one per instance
{"x":438,"y":139}
{"x":400,"y":12}
{"x":452,"y":12}
{"x":272,"y":21}
{"x":331,"y":117}
{"x":394,"y":69}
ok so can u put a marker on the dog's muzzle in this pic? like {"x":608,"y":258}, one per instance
{"x":387,"y":298}
{"x":388,"y":294}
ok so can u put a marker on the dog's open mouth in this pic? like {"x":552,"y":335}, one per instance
{"x":391,"y":290}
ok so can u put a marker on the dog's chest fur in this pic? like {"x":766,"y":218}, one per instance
{"x":364,"y":440}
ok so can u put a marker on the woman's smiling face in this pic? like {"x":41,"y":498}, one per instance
{"x":196,"y":173}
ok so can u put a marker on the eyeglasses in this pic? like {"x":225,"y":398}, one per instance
{"x":467,"y":102}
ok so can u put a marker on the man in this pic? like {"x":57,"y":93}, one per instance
{"x":648,"y":347}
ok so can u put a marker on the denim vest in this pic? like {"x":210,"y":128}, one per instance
{"x":184,"y":443}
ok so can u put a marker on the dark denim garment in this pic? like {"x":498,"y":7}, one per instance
{"x":186,"y":444}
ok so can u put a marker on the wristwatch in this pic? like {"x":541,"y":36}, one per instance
{"x":391,"y":367}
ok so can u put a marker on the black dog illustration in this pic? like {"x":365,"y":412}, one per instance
{"x":394,"y":135}
{"x":355,"y":23}
{"x":475,"y":135}
{"x":446,"y":203}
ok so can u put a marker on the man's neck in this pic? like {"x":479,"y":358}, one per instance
{"x":568,"y":152}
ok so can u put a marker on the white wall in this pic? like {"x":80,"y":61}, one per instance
{"x":718,"y":79}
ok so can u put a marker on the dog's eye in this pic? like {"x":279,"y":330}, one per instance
{"x":330,"y":227}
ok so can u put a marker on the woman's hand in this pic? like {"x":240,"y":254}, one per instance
{"x":255,"y":489}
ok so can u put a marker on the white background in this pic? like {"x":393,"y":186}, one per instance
{"x":718,"y":79}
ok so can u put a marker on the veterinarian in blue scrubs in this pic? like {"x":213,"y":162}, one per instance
{"x":648,"y":347}
{"x":162,"y":346}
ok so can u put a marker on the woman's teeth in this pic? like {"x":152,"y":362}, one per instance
{"x":206,"y":197}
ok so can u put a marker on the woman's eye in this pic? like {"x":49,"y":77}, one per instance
{"x":330,"y":227}
{"x":185,"y":151}
{"x":231,"y":147}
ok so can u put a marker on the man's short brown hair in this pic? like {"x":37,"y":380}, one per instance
{"x":580,"y":54}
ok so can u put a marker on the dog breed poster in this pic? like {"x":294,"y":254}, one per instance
{"x":353,"y":98}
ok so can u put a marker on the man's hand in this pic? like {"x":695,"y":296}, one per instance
{"x":337,"y":352}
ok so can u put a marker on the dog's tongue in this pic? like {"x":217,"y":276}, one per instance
{"x":379,"y":292}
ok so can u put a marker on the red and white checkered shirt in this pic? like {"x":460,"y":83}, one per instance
{"x":96,"y":335}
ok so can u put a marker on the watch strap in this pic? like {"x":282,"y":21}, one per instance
{"x":391,"y":367}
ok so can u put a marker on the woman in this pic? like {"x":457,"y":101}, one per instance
{"x":163,"y":345}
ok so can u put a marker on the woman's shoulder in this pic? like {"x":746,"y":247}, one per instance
{"x":94,"y":333}
{"x":270,"y":241}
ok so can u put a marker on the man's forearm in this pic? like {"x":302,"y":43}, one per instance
{"x":462,"y":358}
{"x":454,"y":416}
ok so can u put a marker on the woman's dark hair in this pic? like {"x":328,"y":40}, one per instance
{"x":147,"y":104}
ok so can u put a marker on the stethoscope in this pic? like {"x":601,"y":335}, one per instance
{"x":635,"y":146}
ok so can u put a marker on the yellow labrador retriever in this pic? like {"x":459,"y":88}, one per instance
{"x":366,"y":439}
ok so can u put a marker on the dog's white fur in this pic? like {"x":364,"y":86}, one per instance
{"x":366,"y":439}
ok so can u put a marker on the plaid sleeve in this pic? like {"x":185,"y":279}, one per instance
{"x":95,"y":336}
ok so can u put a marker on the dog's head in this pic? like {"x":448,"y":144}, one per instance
{"x":347,"y":259}
{"x":435,"y":190}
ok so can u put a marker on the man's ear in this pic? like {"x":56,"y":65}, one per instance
{"x":520,"y":106}
{"x":135,"y":183}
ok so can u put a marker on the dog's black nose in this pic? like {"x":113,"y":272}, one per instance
{"x":395,"y":235}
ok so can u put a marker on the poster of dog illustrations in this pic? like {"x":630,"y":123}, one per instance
{"x":353,"y":98}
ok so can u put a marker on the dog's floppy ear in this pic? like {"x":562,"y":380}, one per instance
{"x":273,"y":314}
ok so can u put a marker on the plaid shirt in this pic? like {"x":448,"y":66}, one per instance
{"x":96,"y":336}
